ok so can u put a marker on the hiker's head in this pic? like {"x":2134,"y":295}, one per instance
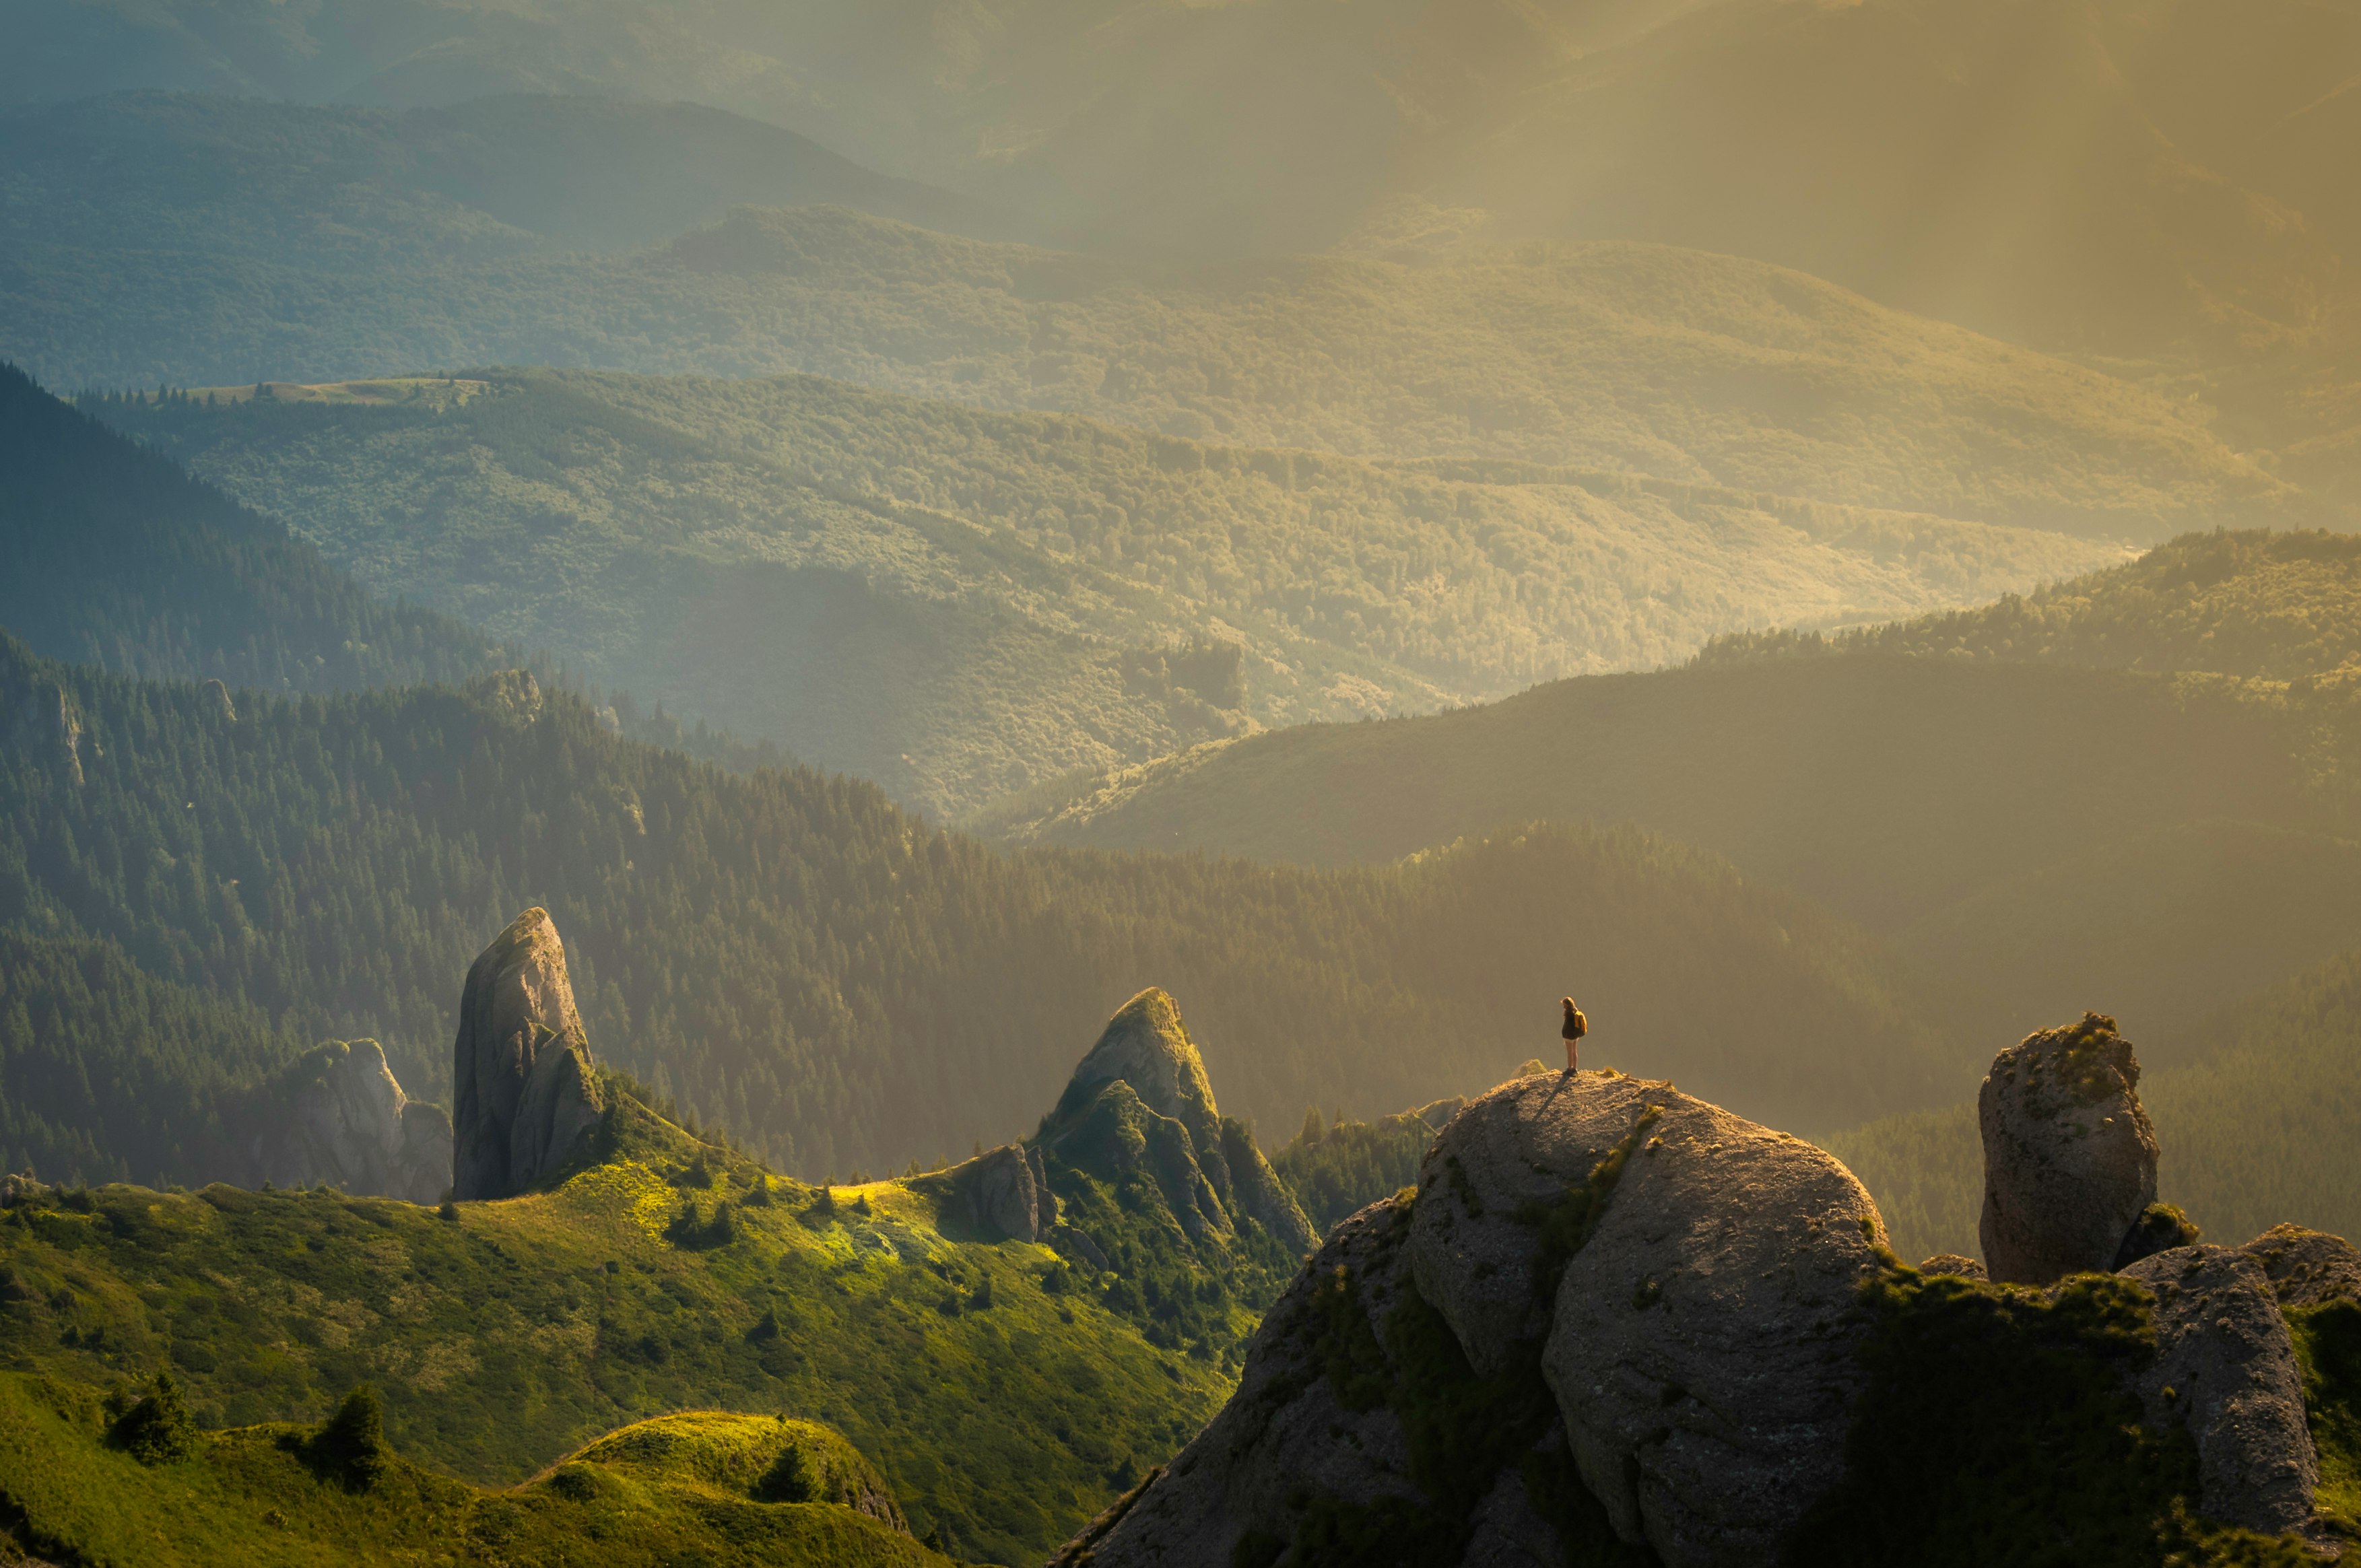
{"x":1567,"y":1003}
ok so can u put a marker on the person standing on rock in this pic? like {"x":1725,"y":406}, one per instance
{"x":1571,"y":1031}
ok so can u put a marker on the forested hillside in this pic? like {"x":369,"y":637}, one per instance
{"x":112,"y":555}
{"x":2282,"y":605}
{"x":959,"y":604}
{"x":801,"y":962}
{"x":1675,"y":364}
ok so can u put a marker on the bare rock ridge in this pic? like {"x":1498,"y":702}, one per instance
{"x":525,"y":1097}
{"x":337,"y":1116}
{"x":2069,"y":1157}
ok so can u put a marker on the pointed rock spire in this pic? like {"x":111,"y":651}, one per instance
{"x":525,"y":1094}
{"x":1141,"y":1097}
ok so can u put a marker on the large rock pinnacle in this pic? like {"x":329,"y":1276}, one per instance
{"x":2069,"y":1157}
{"x":525,"y":1094}
{"x":1141,"y":1097}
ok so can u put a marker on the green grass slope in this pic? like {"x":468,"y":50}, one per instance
{"x":789,"y":955}
{"x":657,"y":1493}
{"x":959,"y":604}
{"x":1002,"y":1401}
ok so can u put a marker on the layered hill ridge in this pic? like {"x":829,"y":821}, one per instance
{"x":959,"y":604}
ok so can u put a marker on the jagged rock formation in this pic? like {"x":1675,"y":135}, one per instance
{"x":2305,"y":1267}
{"x":1002,"y":1194}
{"x":1140,"y":1100}
{"x":525,"y":1096}
{"x":2069,"y":1157}
{"x":2225,"y":1370}
{"x":338,"y":1116}
{"x":1633,"y":1285}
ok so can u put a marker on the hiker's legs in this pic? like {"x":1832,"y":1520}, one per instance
{"x":1571,"y":1046}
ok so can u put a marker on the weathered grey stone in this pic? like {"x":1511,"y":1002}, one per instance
{"x":996,"y":1194}
{"x":1520,"y":1146}
{"x":2225,"y":1369}
{"x":526,"y":1097}
{"x":1285,"y":1434}
{"x":2307,"y":1268}
{"x":340,"y":1117}
{"x":1704,"y":1351}
{"x":1953,"y":1263}
{"x":2069,"y":1157}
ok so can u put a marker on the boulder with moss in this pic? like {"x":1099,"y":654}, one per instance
{"x":2070,"y":1157}
{"x":526,"y":1094}
{"x":2226,"y":1372}
{"x":2307,"y":1268}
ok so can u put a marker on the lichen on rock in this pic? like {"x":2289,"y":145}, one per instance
{"x":2070,"y":1157}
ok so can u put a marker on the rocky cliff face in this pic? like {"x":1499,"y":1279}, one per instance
{"x":1608,"y":1303}
{"x":525,"y":1097}
{"x":1140,"y":1100}
{"x":2069,"y":1157}
{"x":338,"y":1116}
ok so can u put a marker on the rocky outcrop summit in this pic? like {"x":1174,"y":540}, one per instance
{"x":1611,"y":1313}
{"x":1140,"y":1100}
{"x":1646,"y":1297}
{"x":525,"y":1096}
{"x":2069,"y":1157}
{"x":337,"y":1116}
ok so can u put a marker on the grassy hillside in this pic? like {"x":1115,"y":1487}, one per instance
{"x":959,"y":604}
{"x":646,"y":1495}
{"x":2259,"y":1131}
{"x":791,"y":956}
{"x":1002,"y":1401}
